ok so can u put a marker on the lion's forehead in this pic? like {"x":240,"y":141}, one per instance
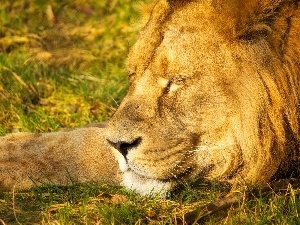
{"x":192,"y":51}
{"x":189,"y":44}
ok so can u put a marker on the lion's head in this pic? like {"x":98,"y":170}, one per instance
{"x":214,"y":92}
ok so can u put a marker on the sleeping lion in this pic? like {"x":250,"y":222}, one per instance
{"x":214,"y":93}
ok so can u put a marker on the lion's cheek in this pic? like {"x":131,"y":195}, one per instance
{"x":220,"y":161}
{"x":150,"y":167}
{"x":207,"y":112}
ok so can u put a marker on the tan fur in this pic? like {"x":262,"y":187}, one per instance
{"x":62,"y":158}
{"x":214,"y":92}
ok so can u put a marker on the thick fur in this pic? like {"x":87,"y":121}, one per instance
{"x":214,"y":92}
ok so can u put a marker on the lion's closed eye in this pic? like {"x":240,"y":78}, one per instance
{"x":172,"y":86}
{"x":168,"y":85}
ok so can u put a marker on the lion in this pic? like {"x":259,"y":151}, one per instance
{"x":214,"y":93}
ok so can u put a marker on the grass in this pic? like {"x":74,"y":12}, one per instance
{"x":62,"y":65}
{"x":62,"y":62}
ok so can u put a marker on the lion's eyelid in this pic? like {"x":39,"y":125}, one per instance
{"x":163,"y":82}
{"x":169,"y":85}
{"x":173,"y":87}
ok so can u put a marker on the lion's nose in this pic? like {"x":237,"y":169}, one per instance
{"x":124,"y":147}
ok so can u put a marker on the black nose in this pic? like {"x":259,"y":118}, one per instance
{"x":124,"y":147}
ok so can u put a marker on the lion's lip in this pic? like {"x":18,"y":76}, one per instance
{"x":181,"y":176}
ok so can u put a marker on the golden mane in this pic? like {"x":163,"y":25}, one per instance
{"x":278,"y":23}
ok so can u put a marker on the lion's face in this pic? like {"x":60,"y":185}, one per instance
{"x":183,"y":114}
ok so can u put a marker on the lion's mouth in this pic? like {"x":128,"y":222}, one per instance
{"x":173,"y":177}
{"x":145,"y":184}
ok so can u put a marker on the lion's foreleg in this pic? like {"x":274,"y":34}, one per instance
{"x":79,"y":155}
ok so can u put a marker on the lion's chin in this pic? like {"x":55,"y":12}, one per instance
{"x":142,"y":184}
{"x":145,"y":186}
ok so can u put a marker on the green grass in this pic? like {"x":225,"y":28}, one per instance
{"x":62,"y":65}
{"x":66,"y":71}
{"x":94,"y":203}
